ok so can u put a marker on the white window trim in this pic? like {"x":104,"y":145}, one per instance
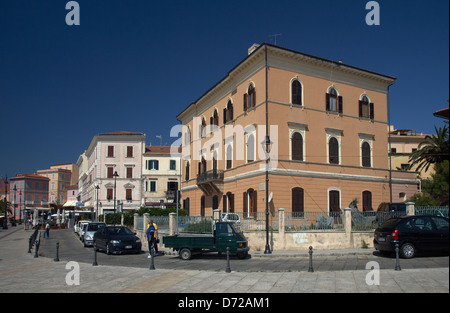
{"x":370,"y":142}
{"x":328,"y":197}
{"x":301,"y":129}
{"x":336,"y":134}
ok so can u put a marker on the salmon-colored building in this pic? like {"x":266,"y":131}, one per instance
{"x":328,"y":127}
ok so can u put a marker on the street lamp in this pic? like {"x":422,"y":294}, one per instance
{"x":267,"y":146}
{"x":13,"y":223}
{"x":115,"y":175}
{"x":97,"y":188}
{"x":20,"y":207}
{"x":5,"y":219}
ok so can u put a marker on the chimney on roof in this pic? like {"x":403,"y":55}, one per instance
{"x":253,"y":48}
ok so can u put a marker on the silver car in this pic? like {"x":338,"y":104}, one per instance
{"x":91,"y":228}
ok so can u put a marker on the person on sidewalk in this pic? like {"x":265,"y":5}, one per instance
{"x":156,"y":237}
{"x":47,"y":230}
{"x":150,"y":237}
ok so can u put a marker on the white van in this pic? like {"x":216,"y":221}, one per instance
{"x":231,"y":217}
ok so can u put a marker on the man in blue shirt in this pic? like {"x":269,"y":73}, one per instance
{"x":150,"y":237}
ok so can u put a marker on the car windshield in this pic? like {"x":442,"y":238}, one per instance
{"x":95,"y":226}
{"x":118,"y":231}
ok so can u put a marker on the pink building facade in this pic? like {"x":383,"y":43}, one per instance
{"x":28,"y":192}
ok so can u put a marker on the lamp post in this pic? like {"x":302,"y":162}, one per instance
{"x":13,"y":223}
{"x":115,"y":175}
{"x":20,"y":207}
{"x":267,"y":146}
{"x":96,"y":213}
{"x":5,"y":219}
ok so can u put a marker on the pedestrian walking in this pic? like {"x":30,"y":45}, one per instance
{"x":150,"y":237}
{"x":47,"y":230}
{"x":156,"y":240}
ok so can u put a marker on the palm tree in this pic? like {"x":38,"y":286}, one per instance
{"x":433,"y":150}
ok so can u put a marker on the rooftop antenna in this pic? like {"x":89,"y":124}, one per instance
{"x":160,"y":140}
{"x":275,"y":38}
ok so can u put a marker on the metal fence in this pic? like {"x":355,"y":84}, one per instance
{"x":195,"y":224}
{"x":162,"y":223}
{"x":367,"y":221}
{"x":293,"y":222}
{"x":432,"y":210}
{"x":313,"y":221}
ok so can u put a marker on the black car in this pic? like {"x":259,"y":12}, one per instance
{"x":388,"y":210}
{"x":117,"y":239}
{"x":413,"y":234}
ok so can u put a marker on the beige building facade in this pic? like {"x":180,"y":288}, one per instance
{"x":60,"y":179}
{"x":109,"y":154}
{"x":403,"y":143}
{"x":161,"y":172}
{"x":327,"y":123}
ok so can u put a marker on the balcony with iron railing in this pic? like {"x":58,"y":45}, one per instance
{"x":211,"y":181}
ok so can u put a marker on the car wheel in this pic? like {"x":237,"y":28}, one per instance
{"x":408,"y":251}
{"x":185,"y":254}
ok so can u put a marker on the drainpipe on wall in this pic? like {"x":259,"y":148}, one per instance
{"x":389,"y":140}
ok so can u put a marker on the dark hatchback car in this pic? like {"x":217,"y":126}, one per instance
{"x":414,"y":234}
{"x":388,"y":210}
{"x":117,"y":239}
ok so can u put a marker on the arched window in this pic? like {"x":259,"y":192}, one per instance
{"x":186,"y":204}
{"x":229,"y":157}
{"x":214,"y":162}
{"x":296,"y":92}
{"x":250,"y":203}
{"x":187,"y":136}
{"x":367,"y":201}
{"x":215,"y":118}
{"x":250,"y":98}
{"x":203,"y":128}
{"x":202,"y":206}
{"x":250,"y":148}
{"x":365,"y":153}
{"x":334,"y":200}
{"x":203,"y":165}
{"x":228,"y":112}
{"x":366,"y":108}
{"x":228,"y":202}
{"x":297,"y":147}
{"x":334,"y":102}
{"x":187,"y":170}
{"x":333,"y":151}
{"x":298,"y":202}
{"x":215,"y":202}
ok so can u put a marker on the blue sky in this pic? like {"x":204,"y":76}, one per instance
{"x":134,"y":65}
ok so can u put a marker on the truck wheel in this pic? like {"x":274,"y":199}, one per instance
{"x":242,"y":255}
{"x":185,"y":254}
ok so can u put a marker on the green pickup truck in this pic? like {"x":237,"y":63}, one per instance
{"x":224,"y":235}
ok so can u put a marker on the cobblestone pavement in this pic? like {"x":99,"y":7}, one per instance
{"x":280,"y":272}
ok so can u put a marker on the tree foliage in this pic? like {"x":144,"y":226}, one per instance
{"x":433,"y":150}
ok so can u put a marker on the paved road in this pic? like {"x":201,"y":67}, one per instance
{"x":71,"y":249}
{"x":281,"y":272}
